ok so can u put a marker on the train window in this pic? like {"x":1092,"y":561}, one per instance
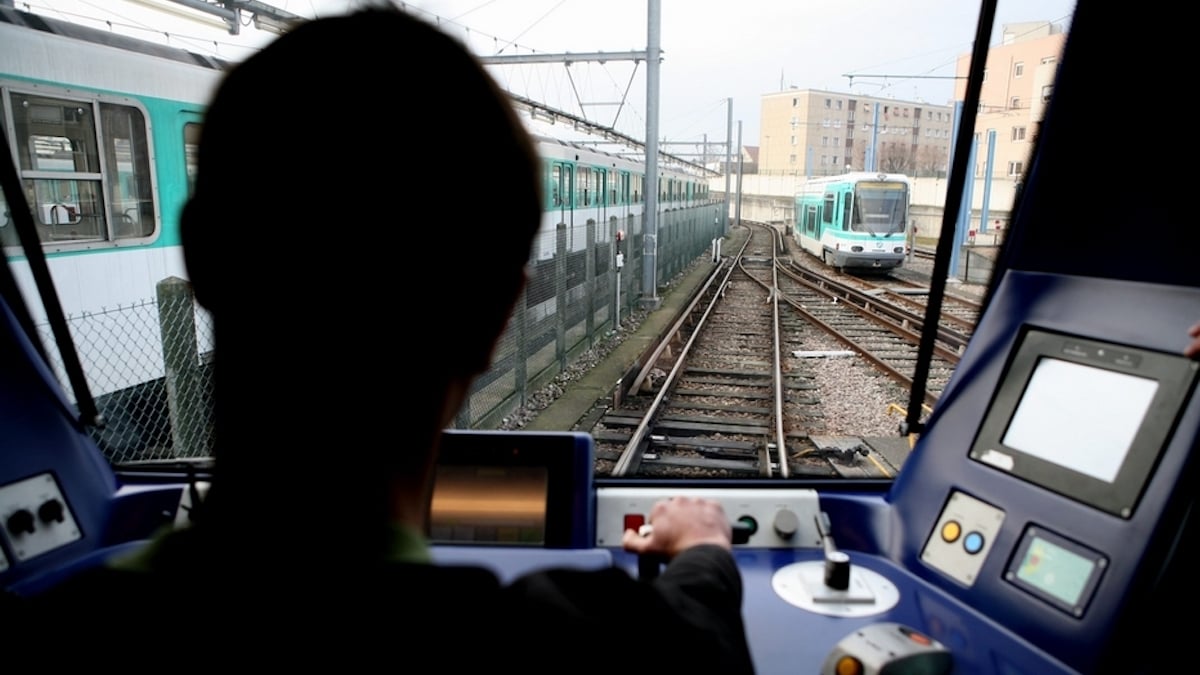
{"x":585,"y":186}
{"x":191,"y":141}
{"x":81,"y":190}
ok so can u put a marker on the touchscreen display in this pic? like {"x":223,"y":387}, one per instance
{"x":1080,"y":417}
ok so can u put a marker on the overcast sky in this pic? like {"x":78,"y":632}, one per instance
{"x":713,"y":50}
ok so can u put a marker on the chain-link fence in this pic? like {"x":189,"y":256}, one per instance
{"x":149,"y":364}
{"x":576,"y":297}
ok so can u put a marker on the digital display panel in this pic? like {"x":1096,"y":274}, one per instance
{"x":514,"y":489}
{"x":489,"y":504}
{"x":1056,"y":569}
{"x":1080,"y":417}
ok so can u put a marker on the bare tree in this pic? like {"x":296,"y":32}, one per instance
{"x":895,"y":159}
{"x":931,"y":161}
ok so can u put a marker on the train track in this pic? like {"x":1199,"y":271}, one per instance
{"x":732,"y":392}
{"x":719,"y":369}
{"x":728,"y":394}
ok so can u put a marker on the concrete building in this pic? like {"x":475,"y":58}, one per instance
{"x":1017,"y":83}
{"x":812,"y":132}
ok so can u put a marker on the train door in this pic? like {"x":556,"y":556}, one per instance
{"x":827,"y":227}
{"x":603,"y":204}
{"x":562,"y":187}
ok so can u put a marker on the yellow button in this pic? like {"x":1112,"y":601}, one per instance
{"x":848,"y":665}
{"x":951,"y":531}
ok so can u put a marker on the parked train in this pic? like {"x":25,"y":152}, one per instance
{"x":1045,"y":522}
{"x":107,"y":155}
{"x":855,"y":221}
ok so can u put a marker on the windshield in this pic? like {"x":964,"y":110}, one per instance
{"x":742,"y":106}
{"x":880,"y":208}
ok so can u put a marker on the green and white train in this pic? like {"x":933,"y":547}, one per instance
{"x":104,"y":130}
{"x":855,"y":221}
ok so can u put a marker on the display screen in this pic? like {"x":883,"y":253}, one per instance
{"x":1055,"y":570}
{"x":1080,"y":417}
{"x":1085,"y":418}
{"x":1058,"y":570}
{"x":490,"y":504}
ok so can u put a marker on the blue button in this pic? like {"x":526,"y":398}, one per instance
{"x":973,"y":542}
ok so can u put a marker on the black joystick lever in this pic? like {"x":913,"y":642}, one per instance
{"x":650,"y":564}
{"x":837,"y":563}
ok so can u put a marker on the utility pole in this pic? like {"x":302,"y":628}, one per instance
{"x":728,"y":155}
{"x":650,"y":299}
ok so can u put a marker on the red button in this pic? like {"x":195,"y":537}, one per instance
{"x":633,"y":521}
{"x":919,"y":639}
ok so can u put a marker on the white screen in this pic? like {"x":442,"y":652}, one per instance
{"x":1080,"y":417}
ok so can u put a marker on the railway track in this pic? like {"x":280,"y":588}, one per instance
{"x":731,"y":393}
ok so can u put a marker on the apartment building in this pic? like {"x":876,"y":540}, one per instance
{"x":814,"y":132}
{"x":1017,"y":83}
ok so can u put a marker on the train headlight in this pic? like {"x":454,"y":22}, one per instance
{"x":856,"y":249}
{"x":898,"y":249}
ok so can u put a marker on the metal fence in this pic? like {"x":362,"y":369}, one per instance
{"x":150,"y":365}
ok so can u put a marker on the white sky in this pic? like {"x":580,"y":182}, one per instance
{"x":713,"y":50}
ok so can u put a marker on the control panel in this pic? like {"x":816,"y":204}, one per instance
{"x":962,"y":537}
{"x":771,"y":518}
{"x":36,"y":517}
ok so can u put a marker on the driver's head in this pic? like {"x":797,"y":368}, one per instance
{"x":358,"y":170}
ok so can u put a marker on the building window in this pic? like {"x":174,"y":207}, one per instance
{"x":1015,"y":103}
{"x":1018,"y":68}
{"x":1015,"y":168}
{"x":1018,"y":133}
{"x":1046,"y":91}
{"x":793,"y":140}
{"x":828,"y":103}
{"x":839,"y":104}
{"x":795,"y":103}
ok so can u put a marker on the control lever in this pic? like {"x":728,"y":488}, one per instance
{"x":650,"y":564}
{"x":837,"y":563}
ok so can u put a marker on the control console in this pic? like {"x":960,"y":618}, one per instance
{"x":36,"y":517}
{"x":770,"y":518}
